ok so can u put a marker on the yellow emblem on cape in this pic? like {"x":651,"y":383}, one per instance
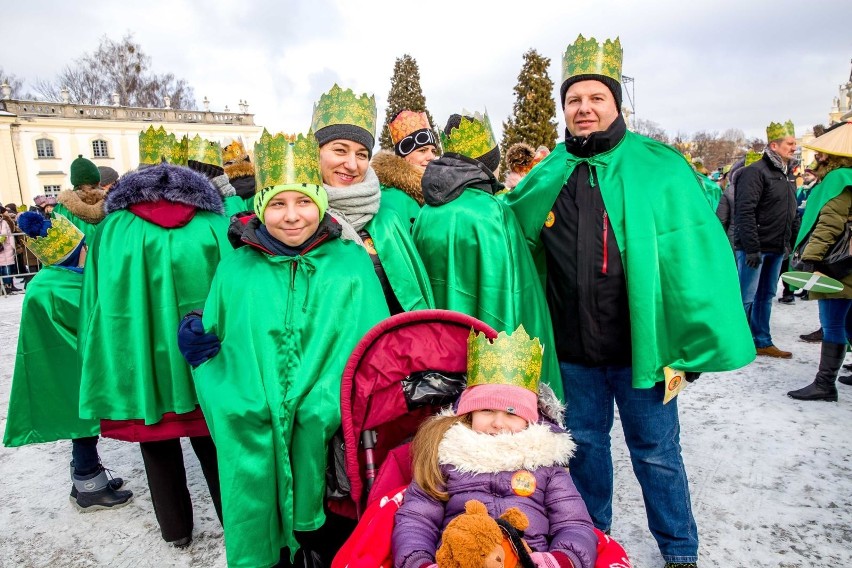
{"x":523,"y":483}
{"x":369,"y":246}
{"x":551,"y":219}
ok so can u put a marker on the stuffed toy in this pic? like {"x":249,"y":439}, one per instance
{"x":475,"y":540}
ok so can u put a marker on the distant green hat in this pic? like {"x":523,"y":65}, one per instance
{"x":84,"y":172}
{"x":288,"y":162}
{"x":776,"y":131}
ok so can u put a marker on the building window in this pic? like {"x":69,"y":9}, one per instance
{"x":52,"y":190}
{"x":100,"y":149}
{"x":44,"y":148}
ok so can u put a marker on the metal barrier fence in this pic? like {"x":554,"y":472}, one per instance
{"x":25,"y":267}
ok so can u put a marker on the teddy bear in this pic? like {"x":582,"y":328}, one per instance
{"x":475,"y":540}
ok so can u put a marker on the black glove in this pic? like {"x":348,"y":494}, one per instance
{"x":195,"y":345}
{"x":753,"y":259}
{"x":692,"y":376}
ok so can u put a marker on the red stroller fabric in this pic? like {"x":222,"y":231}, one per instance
{"x":371,"y":389}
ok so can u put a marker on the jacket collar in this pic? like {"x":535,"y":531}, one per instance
{"x":596,"y":142}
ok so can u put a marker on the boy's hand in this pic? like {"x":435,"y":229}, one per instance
{"x":195,"y":345}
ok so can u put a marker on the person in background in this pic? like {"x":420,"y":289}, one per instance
{"x":766,"y":225}
{"x":8,"y":254}
{"x":83,"y":205}
{"x":828,"y":211}
{"x":108,"y":177}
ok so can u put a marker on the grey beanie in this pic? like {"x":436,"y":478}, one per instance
{"x":345,"y":132}
{"x":108,"y":175}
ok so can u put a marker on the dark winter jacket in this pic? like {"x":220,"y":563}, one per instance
{"x":586,"y":287}
{"x":765,"y":208}
{"x":448,"y":176}
{"x":725,"y":212}
{"x":482,"y":467}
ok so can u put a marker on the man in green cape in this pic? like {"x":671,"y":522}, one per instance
{"x":470,"y":242}
{"x":289,"y":306}
{"x":640,"y":277}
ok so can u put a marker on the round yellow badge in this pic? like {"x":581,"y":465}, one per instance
{"x":674,"y":383}
{"x":551,"y":219}
{"x":371,"y":248}
{"x":523,"y":483}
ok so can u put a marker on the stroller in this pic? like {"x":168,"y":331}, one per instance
{"x":402,"y":372}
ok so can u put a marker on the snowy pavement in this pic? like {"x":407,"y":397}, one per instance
{"x":771,"y":478}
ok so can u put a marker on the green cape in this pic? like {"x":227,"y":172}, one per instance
{"x":479,"y":264}
{"x":236,"y":204}
{"x":712,"y":191}
{"x":823,"y":192}
{"x":683,"y":291}
{"x":397,"y":200}
{"x":271,"y":396}
{"x":43,"y":405}
{"x":87,"y":228}
{"x":404,"y":268}
{"x":140,"y":280}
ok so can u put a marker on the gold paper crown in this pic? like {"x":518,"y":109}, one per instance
{"x":510,"y":360}
{"x":204,"y":151}
{"x":473,"y":137}
{"x":287,"y":159}
{"x":407,"y":122}
{"x":776,"y":131}
{"x":343,"y":107}
{"x":156,"y":146}
{"x":588,"y":57}
{"x":61,"y":240}
{"x":233,"y":152}
{"x":751,"y":157}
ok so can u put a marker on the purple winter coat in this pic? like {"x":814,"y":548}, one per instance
{"x":481,"y":467}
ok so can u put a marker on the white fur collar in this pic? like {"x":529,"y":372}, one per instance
{"x":472,"y":452}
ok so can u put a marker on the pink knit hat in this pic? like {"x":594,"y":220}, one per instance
{"x":508,"y":398}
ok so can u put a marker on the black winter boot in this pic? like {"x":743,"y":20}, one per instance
{"x":823,"y":388}
{"x":845,"y":379}
{"x":95,"y":491}
{"x":813,"y":337}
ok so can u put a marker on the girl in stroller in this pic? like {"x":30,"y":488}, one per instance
{"x":495,"y":448}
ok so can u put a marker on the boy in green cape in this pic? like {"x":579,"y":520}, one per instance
{"x":288,"y":306}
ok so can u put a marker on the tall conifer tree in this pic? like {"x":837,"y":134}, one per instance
{"x":534,"y":112}
{"x":405,"y":94}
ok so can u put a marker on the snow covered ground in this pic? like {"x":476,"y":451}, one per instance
{"x":771,"y":478}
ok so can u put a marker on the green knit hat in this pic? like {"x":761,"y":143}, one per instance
{"x":84,"y":172}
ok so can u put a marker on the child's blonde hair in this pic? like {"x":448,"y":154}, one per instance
{"x":424,"y":450}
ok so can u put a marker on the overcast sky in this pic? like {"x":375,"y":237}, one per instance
{"x":697,"y":64}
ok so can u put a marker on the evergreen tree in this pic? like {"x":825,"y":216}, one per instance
{"x":533,"y":117}
{"x":405,"y":94}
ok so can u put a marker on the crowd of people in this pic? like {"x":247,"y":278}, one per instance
{"x":217,"y":297}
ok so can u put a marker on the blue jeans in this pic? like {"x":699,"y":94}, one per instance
{"x":834,"y":319}
{"x":652,"y":432}
{"x":758,"y":286}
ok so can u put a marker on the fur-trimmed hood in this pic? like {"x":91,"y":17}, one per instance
{"x":164,"y":182}
{"x":394,"y":171}
{"x":87,"y":204}
{"x":536,"y":446}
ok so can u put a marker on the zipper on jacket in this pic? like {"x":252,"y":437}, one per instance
{"x":605,"y":239}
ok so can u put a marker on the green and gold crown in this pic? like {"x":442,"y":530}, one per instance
{"x":510,"y":360}
{"x":751,"y":157}
{"x":588,"y":57}
{"x":286,"y":159}
{"x":204,"y":151}
{"x":343,"y":107}
{"x":61,"y":240}
{"x":473,"y":137}
{"x":156,"y":146}
{"x":776,"y":131}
